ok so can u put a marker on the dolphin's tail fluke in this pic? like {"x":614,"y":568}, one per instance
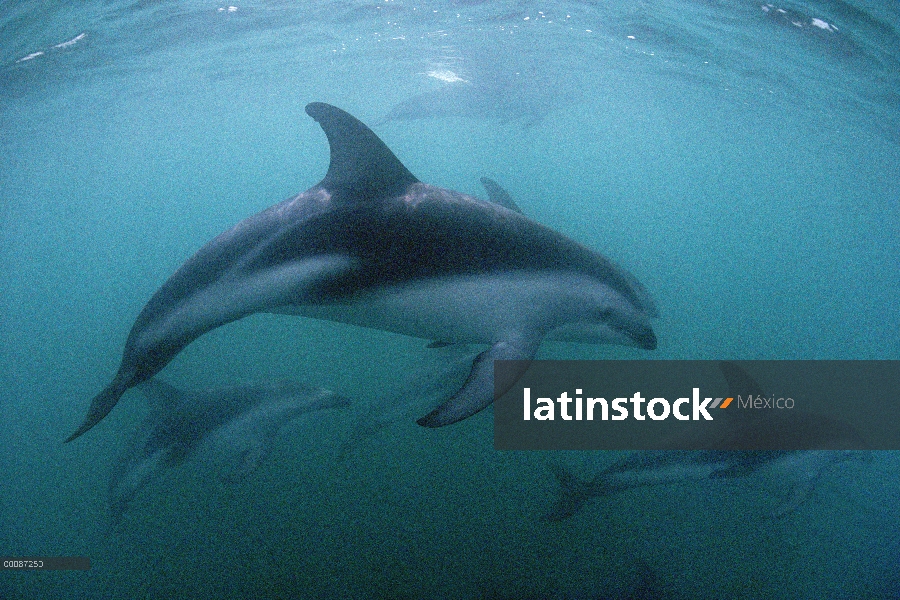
{"x":101,"y":405}
{"x":739,"y":382}
{"x":573,"y":494}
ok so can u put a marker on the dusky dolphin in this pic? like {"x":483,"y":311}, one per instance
{"x":803,"y":468}
{"x":373,"y":246}
{"x":463,"y":99}
{"x":490,"y":91}
{"x":434,"y":376}
{"x":240,"y":422}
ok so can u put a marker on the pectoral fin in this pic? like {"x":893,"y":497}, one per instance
{"x":244,"y":458}
{"x":807,"y":469}
{"x":478,"y":390}
{"x":242,"y":445}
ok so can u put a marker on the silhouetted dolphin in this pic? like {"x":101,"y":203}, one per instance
{"x":373,"y":246}
{"x":241,"y":421}
{"x":662,"y":467}
{"x":492,"y":93}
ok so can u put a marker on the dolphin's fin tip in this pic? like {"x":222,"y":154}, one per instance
{"x":317,"y":110}
{"x":85,"y":426}
{"x":362,"y":167}
{"x":75,"y":435}
{"x":478,"y":392}
{"x":100,"y":407}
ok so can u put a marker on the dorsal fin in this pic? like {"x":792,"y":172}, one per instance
{"x":498,"y":195}
{"x":362,"y":166}
{"x":739,"y":382}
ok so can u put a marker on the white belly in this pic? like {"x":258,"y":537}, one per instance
{"x":469,"y":309}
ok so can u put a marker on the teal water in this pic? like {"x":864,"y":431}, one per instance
{"x":743,"y":163}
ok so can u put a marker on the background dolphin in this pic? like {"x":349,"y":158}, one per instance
{"x":505,"y":89}
{"x":373,"y":246}
{"x":803,"y":468}
{"x":240,"y":421}
{"x":486,"y":99}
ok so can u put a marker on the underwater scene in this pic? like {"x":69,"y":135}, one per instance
{"x":257,"y":259}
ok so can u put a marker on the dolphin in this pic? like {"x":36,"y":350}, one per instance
{"x":463,"y":99}
{"x":373,"y":246}
{"x":488,"y":91}
{"x":804,"y":468}
{"x":240,"y":423}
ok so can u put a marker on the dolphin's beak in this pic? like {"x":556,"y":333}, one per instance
{"x":639,"y":332}
{"x":645,"y":338}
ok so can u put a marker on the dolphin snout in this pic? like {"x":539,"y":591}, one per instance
{"x":647,"y":340}
{"x":642,"y":334}
{"x":634,"y":327}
